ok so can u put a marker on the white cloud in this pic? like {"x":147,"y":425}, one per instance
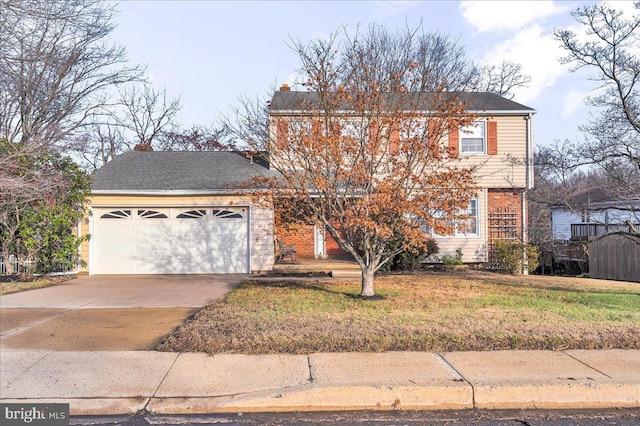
{"x":537,"y":52}
{"x":626,"y":7}
{"x":498,"y":16}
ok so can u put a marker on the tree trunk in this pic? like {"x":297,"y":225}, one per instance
{"x":367,"y":281}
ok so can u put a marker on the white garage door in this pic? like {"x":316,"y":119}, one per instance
{"x":197,"y":240}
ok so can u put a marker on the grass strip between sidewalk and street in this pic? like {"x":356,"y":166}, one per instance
{"x":416,"y":312}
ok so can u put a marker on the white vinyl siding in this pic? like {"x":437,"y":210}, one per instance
{"x":507,"y":169}
{"x":474,"y":247}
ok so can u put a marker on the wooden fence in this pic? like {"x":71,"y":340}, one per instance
{"x":615,"y":257}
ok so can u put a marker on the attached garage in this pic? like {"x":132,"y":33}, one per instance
{"x":178,"y":213}
{"x":150,"y":240}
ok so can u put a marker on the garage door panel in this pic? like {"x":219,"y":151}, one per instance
{"x":173,"y":245}
{"x":105,"y":249}
{"x":159,"y":233}
{"x":121,"y":232}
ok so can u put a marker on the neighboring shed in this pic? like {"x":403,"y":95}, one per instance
{"x":178,"y":213}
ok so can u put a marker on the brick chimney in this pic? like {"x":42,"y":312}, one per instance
{"x":285,"y":88}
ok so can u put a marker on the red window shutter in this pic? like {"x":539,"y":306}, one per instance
{"x":394,"y":141}
{"x":454,"y":141}
{"x":433,"y":138}
{"x":373,"y":130}
{"x":492,"y":137}
{"x":316,"y":129}
{"x":336,"y":130}
{"x":283,"y":134}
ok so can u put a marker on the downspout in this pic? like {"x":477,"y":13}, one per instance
{"x":249,"y":236}
{"x":528,"y":185}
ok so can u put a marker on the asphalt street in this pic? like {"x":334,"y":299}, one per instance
{"x":618,"y":417}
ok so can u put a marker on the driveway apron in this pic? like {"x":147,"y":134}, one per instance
{"x":107,"y":313}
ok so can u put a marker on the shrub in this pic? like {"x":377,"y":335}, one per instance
{"x":507,"y":256}
{"x":410,"y":260}
{"x":449,"y":261}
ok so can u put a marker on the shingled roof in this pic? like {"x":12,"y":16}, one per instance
{"x":179,"y":171}
{"x":288,"y":100}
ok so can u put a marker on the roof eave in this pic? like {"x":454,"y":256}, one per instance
{"x":229,"y":191}
{"x":348,"y":112}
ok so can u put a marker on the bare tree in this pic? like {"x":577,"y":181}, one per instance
{"x":137,"y":117}
{"x":100,"y":143}
{"x":608,"y":50}
{"x":502,"y":79}
{"x":248,"y":124}
{"x":360,"y":152}
{"x":147,"y":113}
{"x":197,"y":138}
{"x":56,"y":63}
{"x":610,"y":55}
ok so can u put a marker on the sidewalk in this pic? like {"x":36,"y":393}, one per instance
{"x":162,"y":382}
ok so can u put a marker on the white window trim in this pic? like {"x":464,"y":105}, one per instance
{"x":456,"y":232}
{"x":477,"y":222}
{"x":463,"y":132}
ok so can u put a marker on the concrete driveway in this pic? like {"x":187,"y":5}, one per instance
{"x":105,"y":313}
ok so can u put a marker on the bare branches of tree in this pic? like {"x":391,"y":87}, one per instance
{"x":248,"y":124}
{"x":502,"y":79}
{"x":197,"y":138}
{"x":361,"y":151}
{"x":608,"y":49}
{"x":147,"y":113}
{"x":55,"y":64}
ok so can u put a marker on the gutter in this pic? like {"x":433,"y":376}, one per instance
{"x":298,"y":112}
{"x":238,"y":191}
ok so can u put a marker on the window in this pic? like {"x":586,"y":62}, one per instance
{"x":117,"y":214}
{"x":465,"y":227}
{"x":226,"y":214}
{"x":472,"y":138}
{"x":469,"y":226}
{"x":192,"y":214}
{"x":151,"y":214}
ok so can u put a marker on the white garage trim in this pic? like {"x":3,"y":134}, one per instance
{"x":145,"y":239}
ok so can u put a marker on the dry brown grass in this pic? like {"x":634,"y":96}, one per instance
{"x":15,"y":284}
{"x":423,"y":312}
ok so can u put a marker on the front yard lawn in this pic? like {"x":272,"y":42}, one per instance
{"x":418,"y":312}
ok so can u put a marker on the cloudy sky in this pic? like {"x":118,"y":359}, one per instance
{"x":211,"y":52}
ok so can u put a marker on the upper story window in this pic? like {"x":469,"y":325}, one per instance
{"x":473,"y":138}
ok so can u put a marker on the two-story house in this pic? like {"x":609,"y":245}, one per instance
{"x":499,"y":141}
